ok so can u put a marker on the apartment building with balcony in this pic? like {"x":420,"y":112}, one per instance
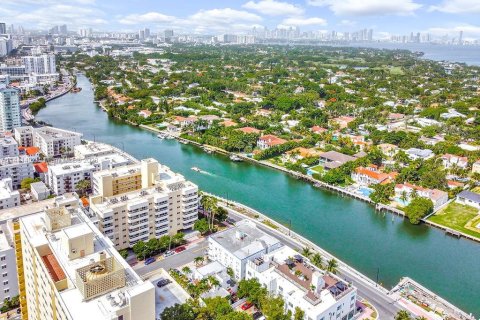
{"x":17,"y":169}
{"x":54,"y":142}
{"x":63,"y":177}
{"x":142,"y":201}
{"x":321,"y":295}
{"x":9,"y":198}
{"x":69,"y":270}
{"x":8,"y":146}
{"x":8,"y":266}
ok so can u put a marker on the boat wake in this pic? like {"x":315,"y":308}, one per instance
{"x":196,"y":169}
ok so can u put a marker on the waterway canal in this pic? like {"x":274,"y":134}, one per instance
{"x":348,"y":228}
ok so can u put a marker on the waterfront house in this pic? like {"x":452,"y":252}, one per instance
{"x":268,"y":141}
{"x":423,"y":154}
{"x":145,"y":113}
{"x":333,"y":159}
{"x":438,"y":197}
{"x":372,"y":175}
{"x":184,"y":122}
{"x":451,"y":160}
{"x":300,"y":153}
{"x":469,"y":198}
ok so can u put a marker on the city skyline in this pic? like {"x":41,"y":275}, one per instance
{"x":397,"y":17}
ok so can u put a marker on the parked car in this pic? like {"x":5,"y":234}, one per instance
{"x":149,"y":260}
{"x":180,"y":249}
{"x":258,"y":316}
{"x":247,"y":305}
{"x":163,"y":282}
{"x":230,"y":221}
{"x":168,"y":253}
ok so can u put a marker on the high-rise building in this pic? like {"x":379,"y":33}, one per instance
{"x":146,"y":33}
{"x":142,"y":201}
{"x":9,"y":109}
{"x":9,"y":283}
{"x":68,"y":270}
{"x":141,"y":34}
{"x":63,"y":29}
{"x":41,"y":64}
{"x":3,"y":28}
{"x":460,"y":37}
{"x":168,"y":35}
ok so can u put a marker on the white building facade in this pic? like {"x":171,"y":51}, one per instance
{"x":64,"y":177}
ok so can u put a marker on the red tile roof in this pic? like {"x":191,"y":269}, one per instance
{"x":272,"y":140}
{"x":53,"y":267}
{"x":249,"y":130}
{"x":41,"y":167}
{"x":32,"y":150}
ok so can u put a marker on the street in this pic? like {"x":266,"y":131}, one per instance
{"x":178,"y":259}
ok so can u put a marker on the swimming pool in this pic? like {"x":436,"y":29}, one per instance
{"x":365,"y":191}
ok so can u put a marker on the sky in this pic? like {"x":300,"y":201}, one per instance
{"x":385,"y":17}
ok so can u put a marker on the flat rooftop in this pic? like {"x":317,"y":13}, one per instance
{"x":244,"y":239}
{"x":61,"y":267}
{"x":55,"y":133}
{"x":67,"y":168}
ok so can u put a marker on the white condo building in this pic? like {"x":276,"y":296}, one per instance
{"x":9,"y":109}
{"x":142,"y":201}
{"x":24,"y":136}
{"x":9,"y":198}
{"x":68,"y":270}
{"x":234,"y":247}
{"x":41,"y":64}
{"x":8,"y":265}
{"x":321,"y":295}
{"x":63,"y":177}
{"x":54,"y":142}
{"x":16,"y":168}
{"x":8,"y":147}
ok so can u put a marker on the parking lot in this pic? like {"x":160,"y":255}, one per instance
{"x":167,"y":295}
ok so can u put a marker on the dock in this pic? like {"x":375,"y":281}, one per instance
{"x":413,"y":295}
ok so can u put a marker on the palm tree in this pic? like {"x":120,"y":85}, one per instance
{"x":306,"y":252}
{"x":402,"y":315}
{"x":210,"y":205}
{"x":186,"y":270}
{"x":404,"y":196}
{"x":198,"y":260}
{"x":317,"y":260}
{"x":332,"y":266}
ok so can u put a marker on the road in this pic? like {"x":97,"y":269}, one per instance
{"x":178,"y":259}
{"x":385,"y":305}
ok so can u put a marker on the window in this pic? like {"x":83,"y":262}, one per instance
{"x":4,"y":266}
{"x":2,"y":258}
{"x":5,"y":275}
{"x":6,"y":290}
{"x":5,"y":282}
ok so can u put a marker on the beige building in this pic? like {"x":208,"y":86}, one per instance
{"x":69,"y":270}
{"x":142,"y":201}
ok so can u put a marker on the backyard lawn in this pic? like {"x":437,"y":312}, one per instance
{"x":457,"y":216}
{"x":318,"y":169}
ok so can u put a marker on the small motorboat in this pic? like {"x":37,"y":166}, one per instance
{"x":235,"y":158}
{"x":195,"y":169}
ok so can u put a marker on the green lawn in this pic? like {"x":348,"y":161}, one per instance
{"x":318,"y":169}
{"x":456,"y":216}
{"x":396,"y":70}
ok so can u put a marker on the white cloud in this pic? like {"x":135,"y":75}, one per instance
{"x":300,"y":21}
{"x":73,"y":16}
{"x":368,"y":7}
{"x":348,"y":23}
{"x":457,"y":6}
{"x":274,"y":8}
{"x":224,"y":16}
{"x":149,"y":17}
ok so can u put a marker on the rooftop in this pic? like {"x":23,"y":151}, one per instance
{"x":244,"y":239}
{"x":469,"y":195}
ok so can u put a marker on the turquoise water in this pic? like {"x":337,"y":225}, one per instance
{"x":348,"y":228}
